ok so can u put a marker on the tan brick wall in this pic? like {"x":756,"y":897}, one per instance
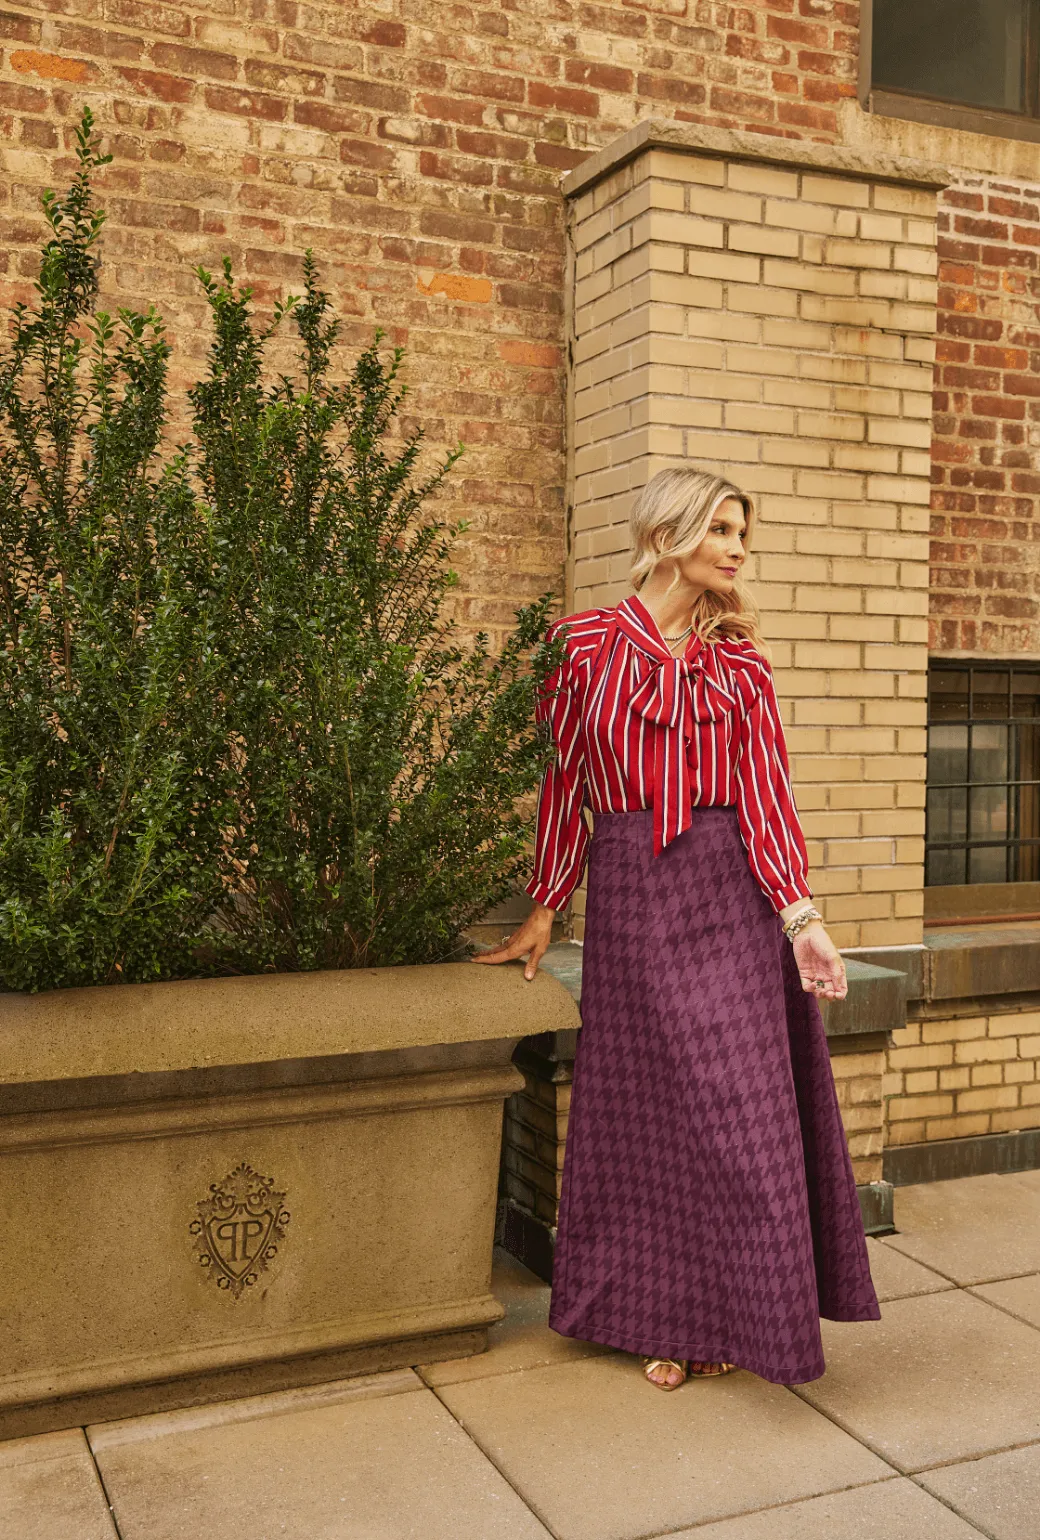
{"x":858,"y":1071}
{"x":776,"y":323}
{"x":964,"y":1076}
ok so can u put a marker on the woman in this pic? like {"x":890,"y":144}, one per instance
{"x":708,"y":1212}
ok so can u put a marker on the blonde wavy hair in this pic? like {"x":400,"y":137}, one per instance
{"x":672,"y":515}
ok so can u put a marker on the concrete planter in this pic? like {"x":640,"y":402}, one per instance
{"x":214,"y":1188}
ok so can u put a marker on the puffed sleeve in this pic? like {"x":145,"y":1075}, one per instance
{"x":561,"y":833}
{"x":766,"y":810}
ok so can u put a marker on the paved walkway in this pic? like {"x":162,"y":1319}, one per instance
{"x":926,"y":1426}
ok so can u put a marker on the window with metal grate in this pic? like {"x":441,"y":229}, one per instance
{"x":982,"y":821}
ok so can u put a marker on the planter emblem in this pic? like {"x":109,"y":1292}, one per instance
{"x":239,"y":1228}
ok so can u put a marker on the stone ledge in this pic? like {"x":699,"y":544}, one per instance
{"x":979,"y":960}
{"x":876,"y":1001}
{"x":968,"y":962}
{"x":200,"y":1024}
{"x":910,"y":960}
{"x":736,"y":144}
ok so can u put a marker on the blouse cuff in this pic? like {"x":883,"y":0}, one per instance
{"x":544,"y":892}
{"x":789,"y":893}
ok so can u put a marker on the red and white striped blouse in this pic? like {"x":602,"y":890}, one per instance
{"x":636,"y":727}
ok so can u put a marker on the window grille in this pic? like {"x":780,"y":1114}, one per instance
{"x":982,"y":821}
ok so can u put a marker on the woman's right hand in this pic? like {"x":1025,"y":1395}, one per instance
{"x":532,"y":937}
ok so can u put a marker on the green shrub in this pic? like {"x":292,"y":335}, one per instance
{"x":112,"y":780}
{"x":237,"y":732}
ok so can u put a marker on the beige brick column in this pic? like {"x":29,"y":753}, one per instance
{"x":767,"y":309}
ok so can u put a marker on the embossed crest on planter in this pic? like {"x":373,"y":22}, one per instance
{"x":239,"y":1228}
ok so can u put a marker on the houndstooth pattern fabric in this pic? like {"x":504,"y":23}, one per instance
{"x":708,"y":1206}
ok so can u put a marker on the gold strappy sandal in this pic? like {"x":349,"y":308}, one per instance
{"x":650,"y":1364}
{"x":712,"y":1372}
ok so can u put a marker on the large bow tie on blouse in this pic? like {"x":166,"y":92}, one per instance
{"x":677,"y":693}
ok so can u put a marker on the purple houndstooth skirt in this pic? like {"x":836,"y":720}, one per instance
{"x":708,"y":1208}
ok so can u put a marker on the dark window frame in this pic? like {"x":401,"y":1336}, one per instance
{"x":918,"y":108}
{"x":945,"y":902}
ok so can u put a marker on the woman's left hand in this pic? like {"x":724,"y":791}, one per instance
{"x":819,"y":963}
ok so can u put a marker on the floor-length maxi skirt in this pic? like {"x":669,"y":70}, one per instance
{"x":708,"y":1207}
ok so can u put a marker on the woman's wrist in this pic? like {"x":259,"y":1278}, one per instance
{"x":803,"y":917}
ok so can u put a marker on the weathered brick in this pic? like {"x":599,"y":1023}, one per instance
{"x":49,"y":66}
{"x":148,"y":17}
{"x":249,"y":104}
{"x":456,"y":286}
{"x":601,"y":77}
{"x":568,"y":99}
{"x":925,"y":1056}
{"x":985,"y":1050}
{"x":965,"y":1126}
{"x":19,"y":28}
{"x":198,"y":63}
{"x":900,"y":1107}
{"x":164,"y":87}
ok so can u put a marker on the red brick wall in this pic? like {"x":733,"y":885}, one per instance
{"x":985,"y":571}
{"x":417,"y":146}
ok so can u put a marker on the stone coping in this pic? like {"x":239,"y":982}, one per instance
{"x":120,"y":1029}
{"x":979,"y":960}
{"x":966,"y":962}
{"x":737,"y":144}
{"x":876,"y":1001}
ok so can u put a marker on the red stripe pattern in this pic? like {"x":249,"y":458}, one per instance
{"x":636,"y":727}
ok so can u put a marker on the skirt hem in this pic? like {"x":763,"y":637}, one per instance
{"x":699,"y":1352}
{"x":872,"y":1313}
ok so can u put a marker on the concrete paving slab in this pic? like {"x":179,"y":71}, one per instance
{"x":939,"y":1378}
{"x":888,"y":1510}
{"x":1020,"y":1296}
{"x":975,"y":1229}
{"x":394,"y":1467}
{"x":599,"y":1454}
{"x":49,"y":1490}
{"x":897,"y":1276}
{"x":1001,"y":1493}
{"x":522,"y":1340}
{"x":135,"y":1430}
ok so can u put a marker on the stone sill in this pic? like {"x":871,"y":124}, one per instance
{"x":974,"y":960}
{"x":967,"y":962}
{"x":876,"y":1001}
